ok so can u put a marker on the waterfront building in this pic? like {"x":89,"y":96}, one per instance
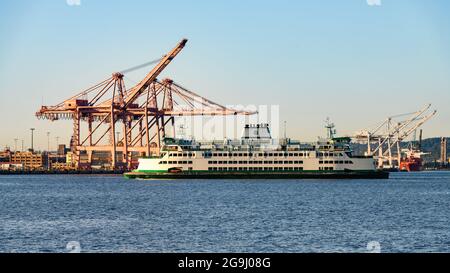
{"x":62,"y":149}
{"x":71,"y":160}
{"x":29,"y":160}
{"x":5,"y":156}
{"x":9,"y":166}
{"x":61,"y":166}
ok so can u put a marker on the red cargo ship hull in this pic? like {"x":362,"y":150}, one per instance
{"x":411,"y":164}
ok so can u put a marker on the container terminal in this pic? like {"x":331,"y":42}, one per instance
{"x":117,"y":128}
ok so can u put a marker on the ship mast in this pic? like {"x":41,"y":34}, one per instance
{"x":330,"y":128}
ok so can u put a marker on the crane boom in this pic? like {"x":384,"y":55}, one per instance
{"x":409,"y":131}
{"x":152,"y":75}
{"x":144,"y":112}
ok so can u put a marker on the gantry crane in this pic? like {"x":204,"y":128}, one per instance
{"x":384,"y":137}
{"x":144,"y":111}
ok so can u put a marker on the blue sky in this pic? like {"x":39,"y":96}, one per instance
{"x":346,"y":60}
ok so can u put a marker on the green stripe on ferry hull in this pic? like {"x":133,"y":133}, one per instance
{"x":363,"y":174}
{"x":259,"y":171}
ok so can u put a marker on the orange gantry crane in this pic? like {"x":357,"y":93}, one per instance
{"x":143,"y":111}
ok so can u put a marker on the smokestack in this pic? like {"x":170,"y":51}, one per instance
{"x":420,"y":140}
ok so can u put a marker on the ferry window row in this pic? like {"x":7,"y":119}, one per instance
{"x":254,"y":154}
{"x":335,"y":162}
{"x":255,"y":162}
{"x":326,"y":168}
{"x":181,"y":154}
{"x":255,"y":168}
{"x":176,"y":162}
{"x":329,"y":154}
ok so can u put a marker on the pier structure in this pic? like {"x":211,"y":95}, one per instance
{"x":127,"y":123}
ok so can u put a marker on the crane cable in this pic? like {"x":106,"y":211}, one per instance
{"x":141,"y":66}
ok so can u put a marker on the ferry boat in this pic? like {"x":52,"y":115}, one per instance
{"x":257,"y":155}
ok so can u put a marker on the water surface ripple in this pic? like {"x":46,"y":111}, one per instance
{"x":407,"y":213}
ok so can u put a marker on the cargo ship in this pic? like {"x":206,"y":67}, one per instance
{"x":412,"y":162}
{"x":257,"y":156}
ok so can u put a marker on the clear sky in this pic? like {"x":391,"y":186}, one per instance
{"x":348,"y":60}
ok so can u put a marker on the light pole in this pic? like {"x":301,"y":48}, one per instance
{"x":32,"y":133}
{"x":22,"y":146}
{"x":57,"y":146}
{"x":15,"y":144}
{"x":48,"y":150}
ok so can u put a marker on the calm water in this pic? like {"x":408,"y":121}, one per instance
{"x":408,"y":213}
